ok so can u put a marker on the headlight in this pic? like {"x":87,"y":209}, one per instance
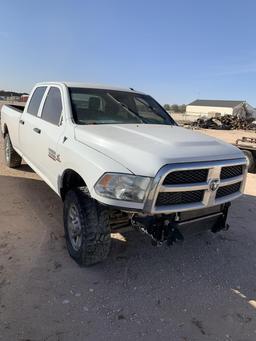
{"x":123,"y":187}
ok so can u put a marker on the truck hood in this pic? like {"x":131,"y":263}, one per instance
{"x":144,"y":149}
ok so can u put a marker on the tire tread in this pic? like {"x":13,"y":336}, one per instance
{"x":15,"y":158}
{"x":96,"y":228}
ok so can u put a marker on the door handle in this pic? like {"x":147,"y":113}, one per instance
{"x":37,"y":130}
{"x":22,"y":122}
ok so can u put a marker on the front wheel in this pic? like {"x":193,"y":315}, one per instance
{"x":12,"y":158}
{"x":87,"y":228}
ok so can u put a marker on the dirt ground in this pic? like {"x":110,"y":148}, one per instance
{"x":203,"y":289}
{"x":229,"y":136}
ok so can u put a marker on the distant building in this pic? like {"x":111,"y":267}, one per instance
{"x":13,"y":98}
{"x":24,"y":98}
{"x":205,"y":107}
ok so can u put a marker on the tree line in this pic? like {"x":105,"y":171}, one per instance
{"x":175,"y":107}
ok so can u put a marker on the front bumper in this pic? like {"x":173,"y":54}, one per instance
{"x":177,"y":226}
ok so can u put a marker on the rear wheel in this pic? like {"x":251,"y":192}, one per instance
{"x":12,"y":158}
{"x":250,"y":161}
{"x":87,"y":228}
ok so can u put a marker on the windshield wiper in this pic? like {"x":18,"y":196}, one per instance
{"x":127,"y":108}
{"x":154,"y":111}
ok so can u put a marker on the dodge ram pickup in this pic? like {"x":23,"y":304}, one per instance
{"x":117,"y":159}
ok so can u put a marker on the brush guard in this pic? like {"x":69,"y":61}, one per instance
{"x":170,"y":229}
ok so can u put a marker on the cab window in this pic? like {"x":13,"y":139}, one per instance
{"x":35,"y":101}
{"x":52,"y":109}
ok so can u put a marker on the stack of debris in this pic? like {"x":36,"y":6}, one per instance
{"x":227,"y":122}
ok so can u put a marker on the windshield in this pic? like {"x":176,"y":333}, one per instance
{"x":97,"y":106}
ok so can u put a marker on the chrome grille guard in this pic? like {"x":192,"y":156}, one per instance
{"x":209,"y":187}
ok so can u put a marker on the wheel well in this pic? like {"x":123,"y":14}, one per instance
{"x":254,"y":154}
{"x":5,"y":130}
{"x":70,"y":179}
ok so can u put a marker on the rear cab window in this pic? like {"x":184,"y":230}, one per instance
{"x":52,"y":109}
{"x":36,"y":100}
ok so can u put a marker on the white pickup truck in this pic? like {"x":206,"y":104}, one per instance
{"x":117,"y":158}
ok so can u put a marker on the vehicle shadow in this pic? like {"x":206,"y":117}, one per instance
{"x":206,"y":284}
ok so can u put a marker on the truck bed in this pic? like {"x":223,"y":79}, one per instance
{"x":18,"y":107}
{"x":10,"y":115}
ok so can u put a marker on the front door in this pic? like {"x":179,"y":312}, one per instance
{"x":52,"y":132}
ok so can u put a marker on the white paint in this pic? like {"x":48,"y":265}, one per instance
{"x":93,"y":150}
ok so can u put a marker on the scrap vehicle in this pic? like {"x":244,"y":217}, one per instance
{"x":248,"y":146}
{"x":117,"y":159}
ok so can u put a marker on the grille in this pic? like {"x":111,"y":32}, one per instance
{"x":227,"y":190}
{"x":230,"y":172}
{"x":186,"y":177}
{"x":180,"y":188}
{"x":176,"y":198}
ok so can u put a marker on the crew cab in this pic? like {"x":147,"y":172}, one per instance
{"x":117,"y":159}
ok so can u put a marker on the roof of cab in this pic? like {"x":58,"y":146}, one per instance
{"x":89,"y":86}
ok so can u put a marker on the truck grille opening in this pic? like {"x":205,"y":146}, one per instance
{"x":181,"y":187}
{"x":176,"y":198}
{"x":227,"y":190}
{"x":230,"y":172}
{"x":186,"y":177}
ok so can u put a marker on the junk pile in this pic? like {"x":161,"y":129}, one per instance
{"x":227,"y":122}
{"x":244,"y":117}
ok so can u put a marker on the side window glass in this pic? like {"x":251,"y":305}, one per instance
{"x":52,"y":107}
{"x":35,"y":101}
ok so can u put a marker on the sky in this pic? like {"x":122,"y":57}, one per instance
{"x":177,"y":51}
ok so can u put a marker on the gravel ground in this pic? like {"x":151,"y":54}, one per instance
{"x":203,"y":289}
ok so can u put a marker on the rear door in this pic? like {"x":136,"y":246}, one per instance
{"x":29,"y":127}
